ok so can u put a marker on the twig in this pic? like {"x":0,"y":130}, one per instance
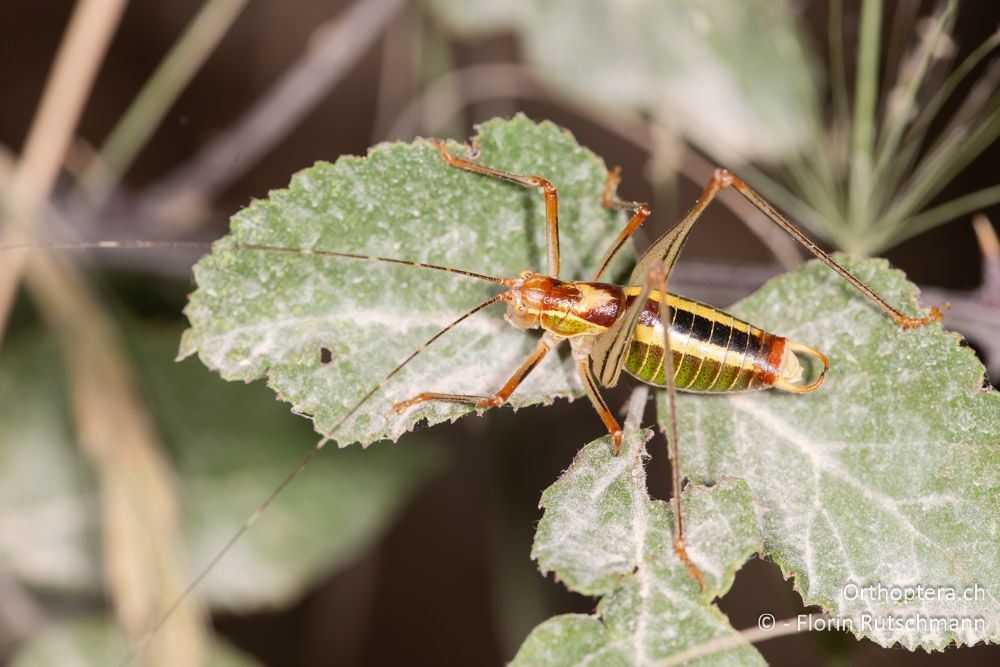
{"x":636,"y":407}
{"x":863,"y":120}
{"x":81,"y":52}
{"x":790,"y":626}
{"x":335,"y":47}
{"x":902,"y":99}
{"x":138,"y":504}
{"x":438,"y":102}
{"x":139,"y":508}
{"x":21,"y":616}
{"x":838,"y":74}
{"x":66,"y":89}
{"x":398,"y":75}
{"x":147,"y":110}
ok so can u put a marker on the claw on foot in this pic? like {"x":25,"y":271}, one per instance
{"x":937,"y":312}
{"x":398,"y":408}
{"x":616,"y":438}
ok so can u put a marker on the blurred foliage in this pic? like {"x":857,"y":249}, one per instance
{"x":875,"y":177}
{"x":739,"y":80}
{"x":231,"y":445}
{"x":733,"y":76}
{"x":97,"y":642}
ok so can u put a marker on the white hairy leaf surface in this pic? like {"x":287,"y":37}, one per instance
{"x":603,"y":535}
{"x":883,"y":481}
{"x":258,"y":314}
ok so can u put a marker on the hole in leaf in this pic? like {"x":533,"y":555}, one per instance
{"x":325,"y":355}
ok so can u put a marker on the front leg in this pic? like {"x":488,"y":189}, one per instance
{"x":549,"y":190}
{"x":547,"y":342}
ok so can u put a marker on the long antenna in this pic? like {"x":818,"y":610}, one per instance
{"x":202,"y":245}
{"x":263,"y":507}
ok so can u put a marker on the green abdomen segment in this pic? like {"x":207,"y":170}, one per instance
{"x":712,"y":350}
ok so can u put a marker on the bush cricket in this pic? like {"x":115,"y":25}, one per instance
{"x":659,"y":338}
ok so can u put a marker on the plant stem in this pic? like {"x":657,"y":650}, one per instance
{"x":903,"y":97}
{"x":866,"y":89}
{"x":838,"y":80}
{"x":80,"y":53}
{"x":905,"y":158}
{"x":335,"y":47}
{"x":956,"y":208}
{"x":160,"y":91}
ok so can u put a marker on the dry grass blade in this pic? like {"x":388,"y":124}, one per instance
{"x":80,"y":53}
{"x":160,"y":91}
{"x":329,"y":55}
{"x":138,"y":501}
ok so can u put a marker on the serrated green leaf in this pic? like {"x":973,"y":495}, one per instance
{"x":231,"y":445}
{"x":603,"y":535}
{"x":258,"y":313}
{"x":887,"y":476}
{"x":735,"y":76}
{"x":97,"y":641}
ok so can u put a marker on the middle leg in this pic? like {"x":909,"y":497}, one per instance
{"x":609,"y":199}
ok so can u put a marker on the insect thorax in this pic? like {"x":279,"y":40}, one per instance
{"x":566,"y":309}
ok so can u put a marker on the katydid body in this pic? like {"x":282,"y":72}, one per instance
{"x":613,"y":328}
{"x":657,"y":337}
{"x":713,"y":351}
{"x":669,"y":342}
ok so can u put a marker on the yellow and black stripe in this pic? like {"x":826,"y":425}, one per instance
{"x":712,"y":350}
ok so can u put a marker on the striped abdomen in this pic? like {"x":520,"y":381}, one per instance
{"x":712,"y":350}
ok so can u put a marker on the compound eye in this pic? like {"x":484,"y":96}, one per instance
{"x":525,"y":274}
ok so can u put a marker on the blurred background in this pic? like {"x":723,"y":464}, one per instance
{"x":873,"y":125}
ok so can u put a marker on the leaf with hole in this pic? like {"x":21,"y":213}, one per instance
{"x":325,"y":330}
